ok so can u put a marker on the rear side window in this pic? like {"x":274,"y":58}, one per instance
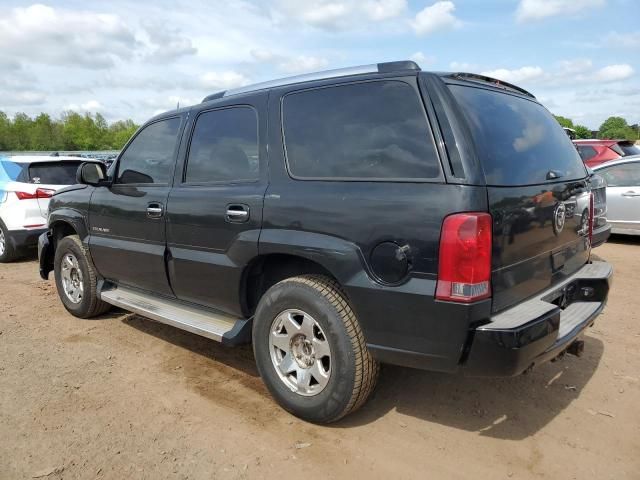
{"x":625,"y":175}
{"x":149,"y":158}
{"x":224,"y":146}
{"x":586,"y":152}
{"x":518,"y":140}
{"x":48,"y":173}
{"x":367,"y":131}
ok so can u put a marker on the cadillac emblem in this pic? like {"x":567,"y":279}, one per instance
{"x":559,"y":218}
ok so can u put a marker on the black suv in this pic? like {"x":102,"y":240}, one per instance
{"x":340,"y":220}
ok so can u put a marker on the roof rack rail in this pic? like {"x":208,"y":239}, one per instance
{"x":386,"y":67}
{"x":494,"y":81}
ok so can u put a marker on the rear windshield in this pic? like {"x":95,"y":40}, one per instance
{"x":47,"y":173}
{"x":519,"y":141}
{"x":628,"y":149}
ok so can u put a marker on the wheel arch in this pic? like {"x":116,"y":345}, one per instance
{"x":66,"y":222}
{"x":264,"y":271}
{"x":288,"y":253}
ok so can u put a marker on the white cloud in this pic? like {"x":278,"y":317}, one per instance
{"x":223,"y":80}
{"x":25,"y":98}
{"x":438,"y":16}
{"x":88,"y":106}
{"x":166,"y":42}
{"x":516,"y":76}
{"x":303,"y":64}
{"x":383,"y":9}
{"x":568,"y":72}
{"x":289,"y":64}
{"x":335,"y":15}
{"x":422,"y":59}
{"x":625,"y":40}
{"x":43,"y":34}
{"x":531,"y":10}
{"x":613,"y":73}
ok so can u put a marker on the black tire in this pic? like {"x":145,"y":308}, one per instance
{"x":354,"y":372}
{"x":89,"y":305}
{"x":9,"y":254}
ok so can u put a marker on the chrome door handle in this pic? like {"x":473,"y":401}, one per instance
{"x":237,"y":213}
{"x":631,"y":193}
{"x":154,"y":210}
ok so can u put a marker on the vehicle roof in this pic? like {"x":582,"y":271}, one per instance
{"x":628,"y":159}
{"x":598,"y":140}
{"x":42,"y":158}
{"x":405,"y":67}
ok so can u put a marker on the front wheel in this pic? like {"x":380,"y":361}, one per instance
{"x":310,"y":350}
{"x":76,"y":279}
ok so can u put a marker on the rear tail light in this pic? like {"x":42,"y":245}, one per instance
{"x":39,"y":193}
{"x":464,"y":267}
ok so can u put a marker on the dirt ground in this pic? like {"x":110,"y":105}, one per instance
{"x":125,"y":397}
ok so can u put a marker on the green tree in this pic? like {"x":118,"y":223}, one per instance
{"x":120,"y":132}
{"x":564,"y":121}
{"x":72,"y":131}
{"x":582,"y":131}
{"x":614,"y":128}
{"x":19,"y":132}
{"x":5,"y":125}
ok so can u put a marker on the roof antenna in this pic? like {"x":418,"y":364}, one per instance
{"x":178,"y":106}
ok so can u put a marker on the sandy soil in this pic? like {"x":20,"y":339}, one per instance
{"x":125,"y":397}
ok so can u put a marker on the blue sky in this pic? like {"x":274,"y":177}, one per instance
{"x":129,"y":59}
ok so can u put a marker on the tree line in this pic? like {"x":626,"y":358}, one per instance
{"x":75,"y":131}
{"x":72,"y":131}
{"x":614,"y":128}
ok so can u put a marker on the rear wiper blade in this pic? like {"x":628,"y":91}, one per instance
{"x":553,"y":174}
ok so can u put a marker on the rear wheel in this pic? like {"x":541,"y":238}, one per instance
{"x":7,"y":252}
{"x":76,"y":279}
{"x":310,"y":350}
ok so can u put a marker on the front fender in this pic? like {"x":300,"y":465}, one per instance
{"x":71,"y":217}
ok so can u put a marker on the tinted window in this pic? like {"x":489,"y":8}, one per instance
{"x":367,"y":130}
{"x":47,"y":173}
{"x":629,"y":149}
{"x":586,"y":152}
{"x":150,"y":156}
{"x":224,"y":146}
{"x":626,"y":175}
{"x":519,"y":141}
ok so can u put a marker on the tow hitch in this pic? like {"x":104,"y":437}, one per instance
{"x":576,"y":348}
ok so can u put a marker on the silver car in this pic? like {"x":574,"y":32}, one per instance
{"x":623,"y":194}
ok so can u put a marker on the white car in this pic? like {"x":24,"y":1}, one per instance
{"x":26,"y":184}
{"x":623,"y":194}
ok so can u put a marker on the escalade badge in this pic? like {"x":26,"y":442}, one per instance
{"x":559,"y":217}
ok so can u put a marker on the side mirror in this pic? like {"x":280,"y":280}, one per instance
{"x":91,"y":173}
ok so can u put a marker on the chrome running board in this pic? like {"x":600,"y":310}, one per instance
{"x":201,"y":321}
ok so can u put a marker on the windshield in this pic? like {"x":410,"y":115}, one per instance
{"x":518,"y":140}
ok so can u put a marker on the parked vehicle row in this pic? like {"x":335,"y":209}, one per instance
{"x":26,"y":186}
{"x":622,"y":178}
{"x":340,"y":220}
{"x":595,"y":152}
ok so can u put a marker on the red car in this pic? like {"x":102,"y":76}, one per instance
{"x":595,"y":152}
